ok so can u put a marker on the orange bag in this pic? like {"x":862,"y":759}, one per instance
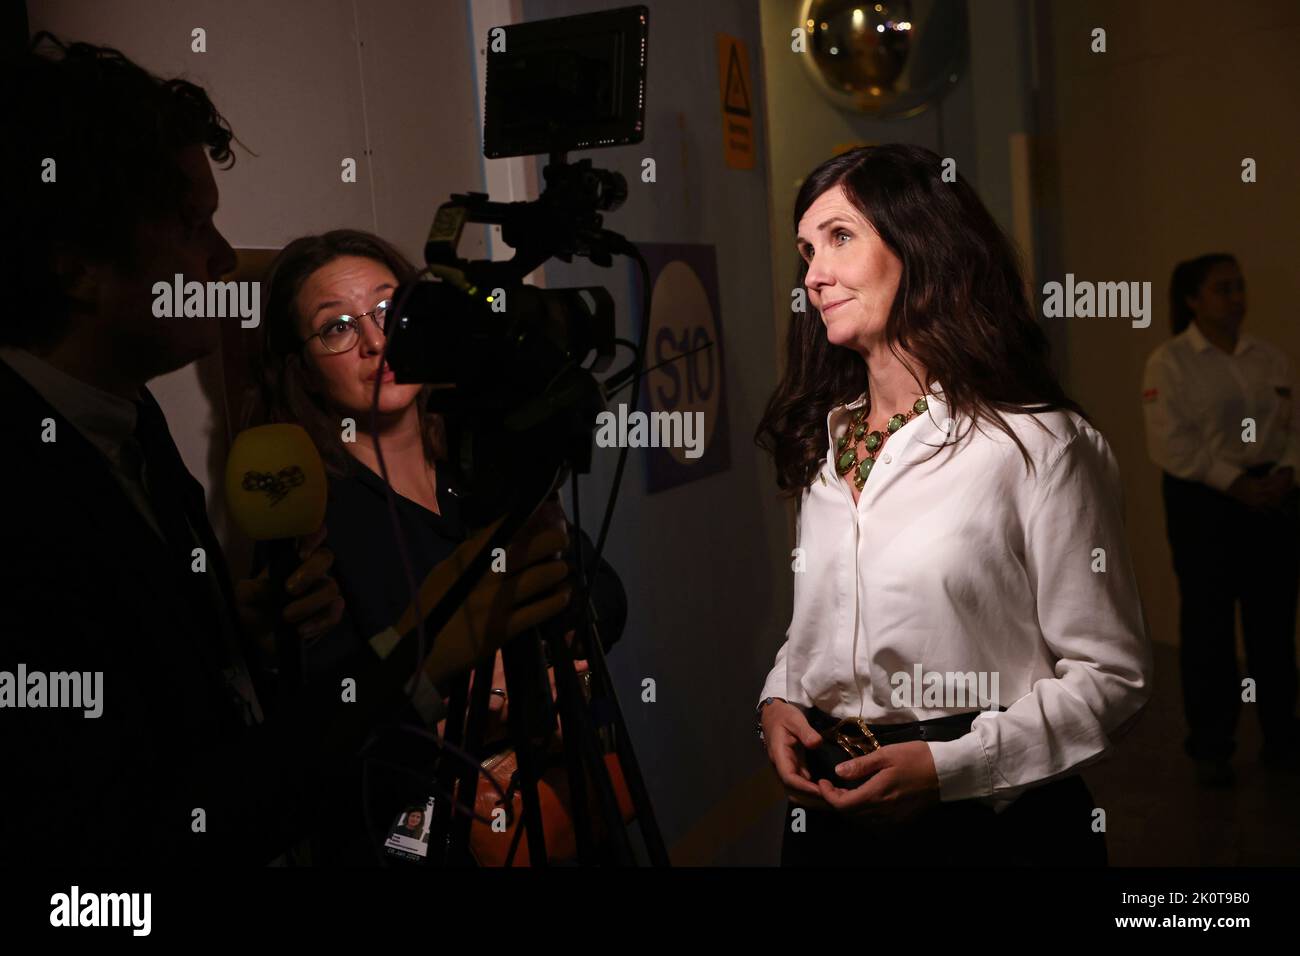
{"x":491,"y":847}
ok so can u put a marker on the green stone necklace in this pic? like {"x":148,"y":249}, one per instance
{"x":848,"y":459}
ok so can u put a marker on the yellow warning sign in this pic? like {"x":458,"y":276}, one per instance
{"x":737,"y":103}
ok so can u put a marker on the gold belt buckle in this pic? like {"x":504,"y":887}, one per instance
{"x":853,"y":734}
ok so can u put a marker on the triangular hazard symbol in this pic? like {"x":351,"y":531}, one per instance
{"x":737,"y":97}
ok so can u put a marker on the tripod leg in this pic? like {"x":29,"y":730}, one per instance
{"x":468,"y":775}
{"x":440,"y":829}
{"x":589,"y":638}
{"x":581,"y":743}
{"x":654,"y":840}
{"x":530,"y":725}
{"x":618,"y":845}
{"x":568,"y":696}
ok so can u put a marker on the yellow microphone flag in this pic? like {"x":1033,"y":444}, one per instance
{"x":275,"y":482}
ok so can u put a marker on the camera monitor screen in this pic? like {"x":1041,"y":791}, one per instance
{"x":566,"y":84}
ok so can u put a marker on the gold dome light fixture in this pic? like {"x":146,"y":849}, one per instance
{"x":890,"y":59}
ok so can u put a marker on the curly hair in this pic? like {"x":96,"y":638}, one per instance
{"x":92,"y":153}
{"x":960,"y":310}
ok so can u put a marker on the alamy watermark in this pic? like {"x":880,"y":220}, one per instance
{"x":209,"y":300}
{"x":1084,"y":299}
{"x":75,"y":690}
{"x":652,"y":430}
{"x":78,"y":909}
{"x":933,"y":689}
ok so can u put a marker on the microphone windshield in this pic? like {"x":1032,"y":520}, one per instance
{"x":275,"y":482}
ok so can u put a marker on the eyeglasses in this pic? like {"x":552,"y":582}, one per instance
{"x":343,"y":332}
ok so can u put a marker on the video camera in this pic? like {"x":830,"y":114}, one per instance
{"x":513,"y":364}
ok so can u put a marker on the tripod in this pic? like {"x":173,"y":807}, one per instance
{"x":531,"y":724}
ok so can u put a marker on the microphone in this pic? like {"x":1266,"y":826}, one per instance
{"x":276,"y":490}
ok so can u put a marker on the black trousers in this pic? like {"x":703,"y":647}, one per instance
{"x":1051,"y":825}
{"x":1225,"y":553}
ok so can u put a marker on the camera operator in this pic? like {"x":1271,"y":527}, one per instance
{"x":323,"y":337}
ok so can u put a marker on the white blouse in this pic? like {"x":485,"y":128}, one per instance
{"x":965,"y":565}
{"x":1195,"y":398}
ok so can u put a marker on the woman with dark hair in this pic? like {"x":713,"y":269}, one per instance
{"x":412,"y":824}
{"x":996,"y":561}
{"x":323,"y":341}
{"x":1220,"y":424}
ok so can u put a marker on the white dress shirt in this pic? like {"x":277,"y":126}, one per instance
{"x":1195,"y":397}
{"x":964,"y":563}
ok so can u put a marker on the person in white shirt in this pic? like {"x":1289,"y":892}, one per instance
{"x":967,"y":631}
{"x":1220,"y":423}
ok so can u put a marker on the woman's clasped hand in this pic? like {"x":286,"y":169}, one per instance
{"x":895,"y":783}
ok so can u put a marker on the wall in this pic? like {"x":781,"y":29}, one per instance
{"x":1148,"y":144}
{"x":304,"y":84}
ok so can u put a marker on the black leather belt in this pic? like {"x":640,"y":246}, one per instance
{"x":849,"y":737}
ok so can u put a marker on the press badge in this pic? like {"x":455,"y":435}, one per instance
{"x":408,"y":837}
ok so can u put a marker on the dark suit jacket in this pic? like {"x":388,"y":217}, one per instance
{"x":88,"y":586}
